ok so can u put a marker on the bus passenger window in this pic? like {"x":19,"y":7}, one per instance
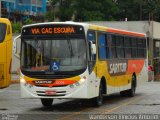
{"x":102,"y":46}
{"x":113,"y":46}
{"x":127,"y":45}
{"x":140,"y":48}
{"x":120,"y":47}
{"x":134,"y":47}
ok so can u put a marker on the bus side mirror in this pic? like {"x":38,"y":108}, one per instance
{"x":92,"y":47}
{"x":15,"y":51}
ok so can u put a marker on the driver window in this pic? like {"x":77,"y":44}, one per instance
{"x":91,"y":36}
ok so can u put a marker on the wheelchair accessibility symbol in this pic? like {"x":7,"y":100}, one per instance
{"x":55,"y":66}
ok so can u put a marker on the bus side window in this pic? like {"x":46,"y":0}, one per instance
{"x":91,"y":36}
{"x":134,"y":47}
{"x":113,"y":46}
{"x":127,"y":47}
{"x":120,"y":46}
{"x":102,"y":46}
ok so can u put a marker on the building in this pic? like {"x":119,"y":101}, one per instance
{"x":19,"y":10}
{"x":152,"y":31}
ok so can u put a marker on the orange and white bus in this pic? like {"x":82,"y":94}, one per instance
{"x":5,"y":52}
{"x":80,"y":61}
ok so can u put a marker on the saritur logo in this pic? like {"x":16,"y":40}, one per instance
{"x":43,"y":82}
{"x":117,"y":67}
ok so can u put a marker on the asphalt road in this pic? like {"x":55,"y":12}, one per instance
{"x":145,"y":105}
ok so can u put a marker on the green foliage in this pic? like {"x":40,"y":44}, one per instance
{"x":53,"y":2}
{"x":66,"y":10}
{"x":16,"y":27}
{"x":28,"y":21}
{"x":49,"y":16}
{"x":107,"y":10}
{"x":93,"y":10}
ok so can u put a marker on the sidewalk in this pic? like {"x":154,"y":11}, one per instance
{"x":14,"y":78}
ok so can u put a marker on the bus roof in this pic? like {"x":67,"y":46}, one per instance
{"x":93,"y":27}
{"x":4,"y":20}
{"x":116,"y":31}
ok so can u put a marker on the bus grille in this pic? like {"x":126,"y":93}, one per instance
{"x":48,"y":86}
{"x":57,"y":94}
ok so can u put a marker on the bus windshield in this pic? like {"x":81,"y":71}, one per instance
{"x":53,"y":55}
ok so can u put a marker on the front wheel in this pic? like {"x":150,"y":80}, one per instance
{"x":97,"y":101}
{"x":47,"y":102}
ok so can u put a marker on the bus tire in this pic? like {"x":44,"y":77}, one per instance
{"x":123,"y":93}
{"x":131,"y":92}
{"x":97,"y":101}
{"x":46,"y":102}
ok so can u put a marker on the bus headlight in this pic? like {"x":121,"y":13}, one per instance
{"x":26,"y":84}
{"x":82,"y":80}
{"x":22,"y":80}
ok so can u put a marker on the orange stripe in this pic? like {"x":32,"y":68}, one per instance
{"x":135,"y":66}
{"x":55,"y":83}
{"x":125,"y":32}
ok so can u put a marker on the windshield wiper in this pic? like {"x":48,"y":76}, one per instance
{"x":70,"y":47}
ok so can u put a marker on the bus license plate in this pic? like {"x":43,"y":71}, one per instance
{"x":50,"y":92}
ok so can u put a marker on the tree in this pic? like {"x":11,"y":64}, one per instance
{"x":127,"y":9}
{"x":93,"y":10}
{"x":49,"y":16}
{"x":106,"y":10}
{"x":66,"y":10}
{"x":139,"y":9}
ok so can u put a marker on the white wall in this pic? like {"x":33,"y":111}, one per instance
{"x":156,"y":30}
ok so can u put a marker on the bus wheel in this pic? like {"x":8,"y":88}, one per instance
{"x":131,"y":92}
{"x":123,"y":93}
{"x":97,"y":101}
{"x":46,"y":102}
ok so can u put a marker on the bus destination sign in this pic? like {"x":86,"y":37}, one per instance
{"x":52,"y":30}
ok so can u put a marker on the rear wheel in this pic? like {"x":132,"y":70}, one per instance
{"x":131,"y":92}
{"x":97,"y":101}
{"x":47,"y":102}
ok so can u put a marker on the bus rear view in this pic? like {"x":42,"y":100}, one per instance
{"x":5,"y":52}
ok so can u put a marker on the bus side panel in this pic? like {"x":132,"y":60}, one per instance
{"x":2,"y":64}
{"x":8,"y":39}
{"x":9,"y":60}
